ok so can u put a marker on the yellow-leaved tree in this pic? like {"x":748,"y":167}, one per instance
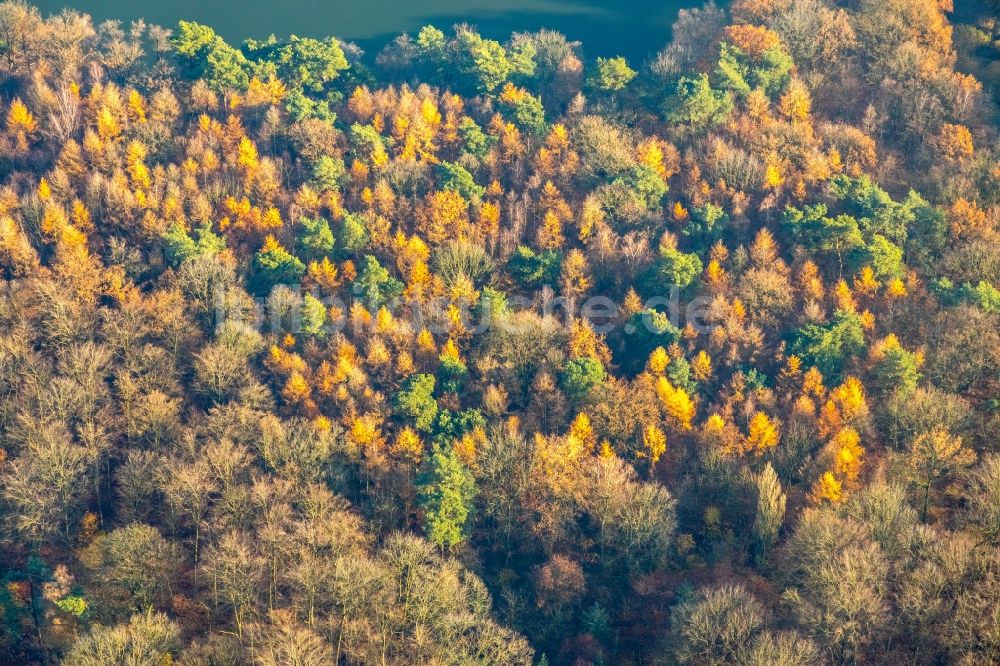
{"x":676,"y":403}
{"x":654,"y":442}
{"x":827,"y":489}
{"x":763,"y":433}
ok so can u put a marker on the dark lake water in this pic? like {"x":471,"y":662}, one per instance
{"x":633,"y":28}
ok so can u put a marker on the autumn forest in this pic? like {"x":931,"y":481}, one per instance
{"x":477,"y":351}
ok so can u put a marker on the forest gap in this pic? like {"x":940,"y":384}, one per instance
{"x":636,"y":29}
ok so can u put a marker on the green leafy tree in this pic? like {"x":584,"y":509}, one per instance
{"x":611,"y":74}
{"x":274,"y":265}
{"x":678,"y":268}
{"x":581,"y":375}
{"x":484,"y":64}
{"x":206,"y":55}
{"x":314,"y":238}
{"x":885,"y":258}
{"x":445,"y":489}
{"x":301,"y":107}
{"x":483,"y":61}
{"x":679,"y":374}
{"x":475,"y":141}
{"x":432,"y":41}
{"x":451,"y":425}
{"x":352,"y":237}
{"x":707,"y":223}
{"x":365,"y":140}
{"x":191,"y":40}
{"x":984,"y":296}
{"x":456,"y":177}
{"x":432,"y":47}
{"x":452,"y":372}
{"x":374,"y":283}
{"x":179,"y":245}
{"x":302,"y":62}
{"x":647,"y":330}
{"x":329,"y":173}
{"x":818,"y":232}
{"x":226,"y":68}
{"x":522,"y":55}
{"x":696,"y":104}
{"x":897,"y":370}
{"x":72,"y":604}
{"x":741,"y":73}
{"x":928,"y":234}
{"x":415,"y":399}
{"x":875,"y":209}
{"x":830,"y":346}
{"x":526,"y":111}
{"x":313,"y":316}
{"x":492,"y":305}
{"x":535,"y":268}
{"x":646,"y":184}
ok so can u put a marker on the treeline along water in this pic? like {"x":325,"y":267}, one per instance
{"x":633,"y":28}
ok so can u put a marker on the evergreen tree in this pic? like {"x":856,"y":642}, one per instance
{"x":445,"y":490}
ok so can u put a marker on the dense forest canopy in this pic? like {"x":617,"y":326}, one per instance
{"x":470,"y":352}
{"x":635,"y":29}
